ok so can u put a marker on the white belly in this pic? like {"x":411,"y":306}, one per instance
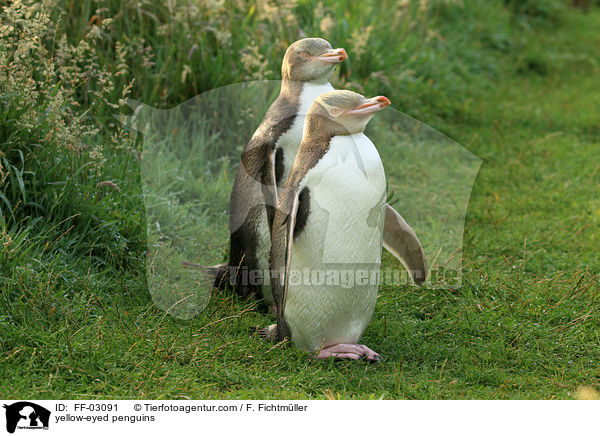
{"x":336,"y":259}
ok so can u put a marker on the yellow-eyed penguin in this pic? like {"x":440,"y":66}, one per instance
{"x":266,"y":161}
{"x":327,"y":231}
{"x":306,"y":69}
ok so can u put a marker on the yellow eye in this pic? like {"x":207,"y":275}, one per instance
{"x":304,"y":55}
{"x":335,"y":111}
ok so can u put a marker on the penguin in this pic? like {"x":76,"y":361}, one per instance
{"x":265,"y":165}
{"x":329,"y":223}
{"x":306,"y":70}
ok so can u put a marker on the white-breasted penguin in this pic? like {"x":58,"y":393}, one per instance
{"x":266,"y":162}
{"x":327,"y":231}
{"x":306,"y":70}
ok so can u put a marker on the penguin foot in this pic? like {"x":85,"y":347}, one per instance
{"x":268,"y":333}
{"x":349,"y":351}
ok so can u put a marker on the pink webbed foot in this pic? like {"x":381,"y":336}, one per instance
{"x":349,"y":351}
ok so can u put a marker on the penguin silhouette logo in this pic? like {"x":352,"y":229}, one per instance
{"x":26,"y":415}
{"x":192,"y":151}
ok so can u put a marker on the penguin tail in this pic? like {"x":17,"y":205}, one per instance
{"x":218,"y":274}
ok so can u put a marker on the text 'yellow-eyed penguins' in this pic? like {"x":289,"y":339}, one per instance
{"x":328,"y":225}
{"x":266,"y":161}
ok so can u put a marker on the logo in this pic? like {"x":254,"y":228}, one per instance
{"x":191,"y":152}
{"x":26,"y":415}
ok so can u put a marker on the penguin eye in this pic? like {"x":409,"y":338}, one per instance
{"x":304,"y":55}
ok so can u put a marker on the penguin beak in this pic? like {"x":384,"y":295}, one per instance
{"x":333,"y":56}
{"x":371,"y":105}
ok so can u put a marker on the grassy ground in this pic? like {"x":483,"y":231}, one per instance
{"x":517,"y":85}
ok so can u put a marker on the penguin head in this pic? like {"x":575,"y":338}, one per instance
{"x":343,"y":112}
{"x":311,"y":60}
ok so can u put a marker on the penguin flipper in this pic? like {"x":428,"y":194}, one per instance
{"x":274,"y":177}
{"x":281,"y":254}
{"x":402,"y":241}
{"x":269,"y":187}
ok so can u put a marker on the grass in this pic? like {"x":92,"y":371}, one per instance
{"x":514,"y":82}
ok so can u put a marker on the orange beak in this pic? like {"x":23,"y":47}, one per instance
{"x":371,"y":105}
{"x":334,"y":56}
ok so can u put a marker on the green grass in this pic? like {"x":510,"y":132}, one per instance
{"x":514,"y":82}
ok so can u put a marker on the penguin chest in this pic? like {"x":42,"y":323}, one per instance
{"x":347,"y":198}
{"x":289,"y":142}
{"x":334,"y":271}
